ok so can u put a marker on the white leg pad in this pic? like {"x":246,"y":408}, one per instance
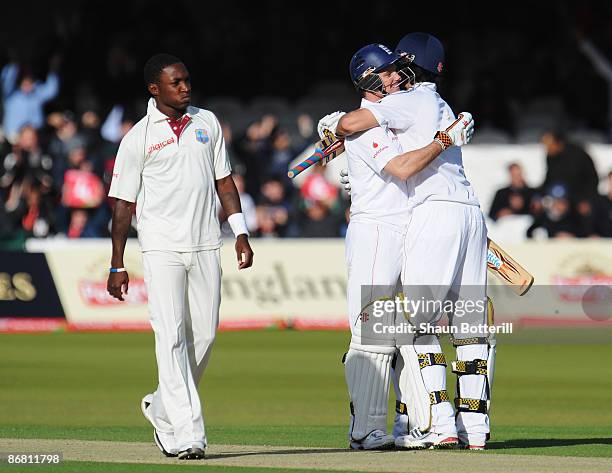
{"x":416,"y":383}
{"x":473,"y":426}
{"x":367,"y":377}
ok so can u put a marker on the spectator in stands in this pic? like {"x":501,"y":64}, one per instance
{"x":322,"y":215}
{"x":317,"y":220}
{"x":514,"y":199}
{"x":27,"y":161}
{"x":65,"y":139}
{"x":24,"y":97}
{"x":253,"y":149}
{"x":281,"y":153}
{"x":569,"y":165}
{"x":556,"y":218}
{"x":84,"y":213}
{"x":274,"y":210}
{"x":597,"y":222}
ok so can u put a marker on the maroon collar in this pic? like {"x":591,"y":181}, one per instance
{"x":179,"y":124}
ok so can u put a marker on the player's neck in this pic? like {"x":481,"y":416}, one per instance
{"x":371,"y":97}
{"x":170,"y":112}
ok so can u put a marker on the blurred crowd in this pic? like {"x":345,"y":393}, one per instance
{"x":56,"y":162}
{"x":56,"y":167}
{"x":567,"y":204}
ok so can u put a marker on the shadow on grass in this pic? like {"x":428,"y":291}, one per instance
{"x":539,"y":443}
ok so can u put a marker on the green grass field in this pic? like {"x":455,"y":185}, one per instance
{"x":287,"y":388}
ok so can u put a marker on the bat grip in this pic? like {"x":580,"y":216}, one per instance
{"x":315,"y":158}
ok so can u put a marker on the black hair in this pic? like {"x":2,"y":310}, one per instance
{"x":423,"y":75}
{"x":156,"y":64}
{"x":559,"y":134}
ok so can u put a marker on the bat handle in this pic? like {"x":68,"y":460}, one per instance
{"x":315,"y":158}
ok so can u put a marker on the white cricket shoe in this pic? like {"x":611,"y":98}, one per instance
{"x":376,"y":440}
{"x":417,"y":440}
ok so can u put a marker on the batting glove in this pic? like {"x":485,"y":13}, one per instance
{"x":329,"y":122}
{"x":344,"y":180}
{"x":458,"y":134}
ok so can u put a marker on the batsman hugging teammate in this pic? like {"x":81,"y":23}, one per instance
{"x":170,"y":165}
{"x":376,"y":248}
{"x":444,"y":253}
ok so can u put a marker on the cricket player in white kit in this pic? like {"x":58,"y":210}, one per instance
{"x":445,"y":250}
{"x":380,"y":214}
{"x":171,"y":164}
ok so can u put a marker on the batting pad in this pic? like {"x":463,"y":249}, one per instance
{"x":367,"y":368}
{"x":422,"y":383}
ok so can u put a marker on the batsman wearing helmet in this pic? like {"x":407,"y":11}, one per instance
{"x":380,"y":213}
{"x":444,"y":254}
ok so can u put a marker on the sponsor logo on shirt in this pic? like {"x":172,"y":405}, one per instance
{"x":379,"y":150}
{"x":202,"y":136}
{"x":160,"y":145}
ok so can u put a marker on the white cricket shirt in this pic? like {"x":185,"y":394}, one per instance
{"x":172,"y":180}
{"x":376,"y":196}
{"x":415,"y":116}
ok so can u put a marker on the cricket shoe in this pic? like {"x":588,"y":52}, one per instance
{"x":193,"y":453}
{"x":444,"y":442}
{"x":376,"y":440}
{"x":417,"y":440}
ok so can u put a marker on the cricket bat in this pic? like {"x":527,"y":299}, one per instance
{"x":502,"y":265}
{"x":325,"y":150}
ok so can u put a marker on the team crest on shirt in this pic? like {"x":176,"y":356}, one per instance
{"x":202,"y":136}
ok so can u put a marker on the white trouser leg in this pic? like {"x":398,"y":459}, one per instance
{"x":445,"y":258}
{"x":176,"y":407}
{"x":204,"y":298}
{"x":374,"y":257}
{"x":473,"y":427}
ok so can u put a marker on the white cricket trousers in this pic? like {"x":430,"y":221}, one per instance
{"x":446,"y":249}
{"x":184,"y":291}
{"x":374,"y":257}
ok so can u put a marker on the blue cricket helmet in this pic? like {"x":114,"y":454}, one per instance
{"x":367,"y":63}
{"x":426,"y":51}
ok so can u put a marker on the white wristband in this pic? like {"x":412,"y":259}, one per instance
{"x":238,"y":224}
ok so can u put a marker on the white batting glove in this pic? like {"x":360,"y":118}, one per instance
{"x":329,"y":122}
{"x":344,"y":180}
{"x":459,"y":133}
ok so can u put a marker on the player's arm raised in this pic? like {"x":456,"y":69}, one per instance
{"x":353,"y":122}
{"x":378,"y":114}
{"x":408,"y":164}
